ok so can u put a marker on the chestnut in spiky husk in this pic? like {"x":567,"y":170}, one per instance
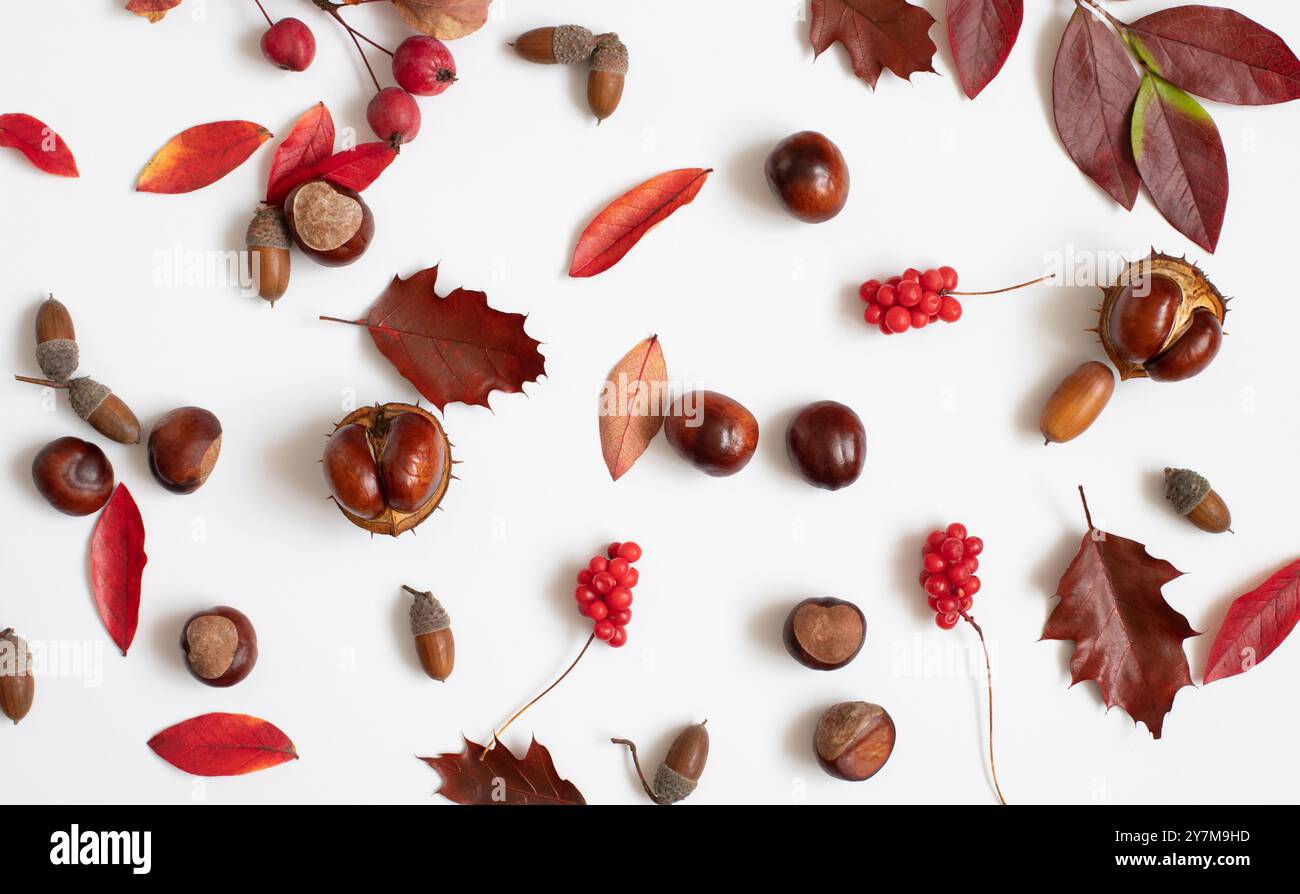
{"x":1162,"y":319}
{"x":388,"y":467}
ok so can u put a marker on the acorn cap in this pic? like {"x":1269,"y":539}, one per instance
{"x":58,"y":358}
{"x":267,"y":229}
{"x":85,"y":395}
{"x":428,"y":615}
{"x":611,"y":56}
{"x":1185,"y":489}
{"x":672,"y":786}
{"x":571,"y":43}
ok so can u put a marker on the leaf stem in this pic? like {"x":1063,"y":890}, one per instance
{"x":341,"y":320}
{"x":264,"y":15}
{"x":1000,"y":291}
{"x":537,"y":699}
{"x":1086,"y":514}
{"x":631,"y":746}
{"x":988,"y":675}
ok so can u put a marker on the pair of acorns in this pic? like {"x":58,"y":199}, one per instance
{"x":573,"y":44}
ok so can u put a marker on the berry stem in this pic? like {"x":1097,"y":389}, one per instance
{"x":264,"y":15}
{"x":46,"y":382}
{"x":1000,"y":291}
{"x":636,"y":762}
{"x":558,"y":680}
{"x":988,"y":675}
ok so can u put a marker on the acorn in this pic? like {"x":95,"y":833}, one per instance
{"x":267,"y":241}
{"x":563,"y":44}
{"x":1077,"y":402}
{"x":17,"y":685}
{"x":56,"y":341}
{"x":431,"y":627}
{"x":99,"y":406}
{"x":605,"y":80}
{"x":680,"y":772}
{"x":1192,"y":497}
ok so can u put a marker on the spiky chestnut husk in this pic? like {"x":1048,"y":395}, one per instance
{"x":1198,"y":293}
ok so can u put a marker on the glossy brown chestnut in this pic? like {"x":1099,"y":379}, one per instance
{"x":73,"y":475}
{"x":330,"y":223}
{"x":183,"y":448}
{"x":827,"y":444}
{"x":824,"y":634}
{"x":807,"y":172}
{"x":854,"y":740}
{"x":712,"y":432}
{"x":388,"y":467}
{"x":220,"y":646}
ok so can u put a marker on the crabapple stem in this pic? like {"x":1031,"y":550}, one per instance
{"x":988,"y":675}
{"x":263,"y":9}
{"x":636,"y":762}
{"x":558,"y":680}
{"x":333,"y":10}
{"x":1000,"y":291}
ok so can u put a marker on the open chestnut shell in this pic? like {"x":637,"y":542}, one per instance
{"x":388,"y":467}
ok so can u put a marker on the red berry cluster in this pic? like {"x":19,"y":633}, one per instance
{"x":949,"y":573}
{"x":604,"y":591}
{"x":911,"y":301}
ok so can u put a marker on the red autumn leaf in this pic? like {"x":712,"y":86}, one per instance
{"x":1218,"y":54}
{"x":117,"y":563}
{"x":1126,"y":637}
{"x":200,"y":156}
{"x":451,"y":349}
{"x":42,"y":146}
{"x":153,"y":10}
{"x":502,"y":778}
{"x":631,"y":411}
{"x":982,"y":34}
{"x":1094,"y":87}
{"x":355,"y":168}
{"x":443,"y":19}
{"x":223,"y":745}
{"x":878,"y":34}
{"x":1256,"y":624}
{"x":1181,"y":159}
{"x":309,"y":142}
{"x":624,"y":221}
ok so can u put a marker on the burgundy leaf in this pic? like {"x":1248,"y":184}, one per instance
{"x":1094,"y":87}
{"x":117,"y":563}
{"x":878,"y":34}
{"x":982,"y":33}
{"x":1256,"y":624}
{"x":1181,"y":159}
{"x":470,"y":777}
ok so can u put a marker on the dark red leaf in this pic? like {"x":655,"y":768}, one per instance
{"x":153,"y":10}
{"x":42,"y":146}
{"x":117,"y":563}
{"x":878,"y":34}
{"x":309,"y":142}
{"x":1218,"y":54}
{"x":982,"y":33}
{"x":502,"y":778}
{"x":201,"y":155}
{"x":355,"y":168}
{"x":624,"y":221}
{"x":1181,"y":159}
{"x":1094,"y":87}
{"x":223,"y":745}
{"x":1126,"y":637}
{"x":1256,"y":624}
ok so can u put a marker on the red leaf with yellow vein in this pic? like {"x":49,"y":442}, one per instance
{"x":223,"y":745}
{"x":42,"y":146}
{"x":624,"y":221}
{"x":631,"y":405}
{"x":1256,"y":624}
{"x":1126,"y":637}
{"x":153,"y":10}
{"x":309,"y":142}
{"x":200,"y":156}
{"x":502,"y":778}
{"x":878,"y":34}
{"x":117,"y":561}
{"x":452,"y":349}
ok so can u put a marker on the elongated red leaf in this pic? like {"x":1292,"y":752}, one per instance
{"x":42,"y":146}
{"x":1126,"y":637}
{"x":309,"y":142}
{"x":631,"y":405}
{"x":200,"y":156}
{"x":624,"y":221}
{"x":1181,"y":159}
{"x":1217,"y":53}
{"x":117,"y":563}
{"x":982,"y":34}
{"x":1094,"y":87}
{"x":355,"y":168}
{"x":502,"y":778}
{"x":153,"y":10}
{"x":878,"y":34}
{"x":1256,"y":624}
{"x":223,"y":745}
{"x":454,"y":348}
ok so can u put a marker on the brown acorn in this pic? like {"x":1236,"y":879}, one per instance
{"x":56,"y":341}
{"x":267,"y":241}
{"x":563,"y":44}
{"x":17,"y":685}
{"x":1192,"y":497}
{"x":1162,"y":319}
{"x":680,"y":772}
{"x":97,"y":405}
{"x":1077,"y":402}
{"x":431,"y":627}
{"x":605,"y":80}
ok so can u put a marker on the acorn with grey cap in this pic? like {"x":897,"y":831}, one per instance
{"x":1192,"y":497}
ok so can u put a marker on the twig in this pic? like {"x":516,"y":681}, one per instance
{"x":631,"y":746}
{"x":46,"y":382}
{"x":1000,"y":291}
{"x":557,"y":682}
{"x":988,"y":674}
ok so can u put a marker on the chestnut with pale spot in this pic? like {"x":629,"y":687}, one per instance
{"x":220,"y":646}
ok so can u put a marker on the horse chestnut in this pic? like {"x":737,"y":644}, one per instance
{"x":854,"y":740}
{"x":824,"y":634}
{"x":183,"y":448}
{"x":220,"y":646}
{"x":827,"y":443}
{"x":332,"y":224}
{"x":73,"y":475}
{"x":712,"y":432}
{"x":388,"y":467}
{"x":807,"y":172}
{"x":1162,"y":319}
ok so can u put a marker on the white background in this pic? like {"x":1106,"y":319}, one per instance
{"x":507,"y":170}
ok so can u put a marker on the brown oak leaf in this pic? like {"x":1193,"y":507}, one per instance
{"x":468,"y":777}
{"x":1126,"y":637}
{"x":631,"y":411}
{"x":878,"y":34}
{"x":443,"y":19}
